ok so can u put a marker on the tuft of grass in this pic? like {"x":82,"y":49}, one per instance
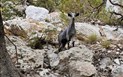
{"x":106,"y":44}
{"x":92,"y":38}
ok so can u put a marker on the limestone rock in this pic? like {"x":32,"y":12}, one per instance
{"x":54,"y":59}
{"x":76,"y":61}
{"x":54,"y":17}
{"x":87,"y":29}
{"x":105,"y":62}
{"x":27,"y":57}
{"x":81,"y":69}
{"x":36,"y":13}
{"x":80,"y":53}
{"x":111,"y":8}
{"x":111,"y":34}
{"x":117,"y":71}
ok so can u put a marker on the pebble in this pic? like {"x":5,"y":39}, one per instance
{"x":117,"y":61}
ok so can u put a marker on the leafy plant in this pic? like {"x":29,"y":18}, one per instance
{"x":106,"y":44}
{"x":70,"y":6}
{"x":48,"y":4}
{"x":9,"y":10}
{"x":36,"y":41}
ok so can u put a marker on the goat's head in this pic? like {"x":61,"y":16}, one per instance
{"x":73,"y":15}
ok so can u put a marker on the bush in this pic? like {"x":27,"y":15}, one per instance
{"x":35,"y":43}
{"x":83,"y":6}
{"x":92,"y":38}
{"x":9,"y":10}
{"x":70,"y":6}
{"x":48,"y":4}
{"x":106,"y":44}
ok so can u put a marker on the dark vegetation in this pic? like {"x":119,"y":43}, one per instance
{"x":39,"y":42}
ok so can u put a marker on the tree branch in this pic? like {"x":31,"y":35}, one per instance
{"x":116,"y":4}
{"x":96,"y":9}
{"x":117,"y":14}
{"x":121,"y":16}
{"x":119,"y":19}
{"x":99,"y":6}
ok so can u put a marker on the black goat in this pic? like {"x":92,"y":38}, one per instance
{"x":65,"y":36}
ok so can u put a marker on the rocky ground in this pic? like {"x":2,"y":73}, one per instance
{"x":98,"y":50}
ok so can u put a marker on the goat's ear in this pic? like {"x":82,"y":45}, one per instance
{"x":77,"y":14}
{"x":69,"y":14}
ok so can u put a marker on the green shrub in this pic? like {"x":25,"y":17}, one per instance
{"x":83,"y":6}
{"x":70,"y":6}
{"x":104,"y":16}
{"x":48,"y":4}
{"x":35,"y":43}
{"x":92,"y":38}
{"x":9,"y":10}
{"x":105,"y":44}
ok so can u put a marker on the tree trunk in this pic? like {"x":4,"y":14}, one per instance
{"x":7,"y":69}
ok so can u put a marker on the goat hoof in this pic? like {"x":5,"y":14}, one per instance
{"x":59,"y":50}
{"x":73,"y":43}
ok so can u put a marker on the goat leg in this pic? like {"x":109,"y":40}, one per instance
{"x":68,"y":45}
{"x":61,"y":47}
{"x":73,"y":43}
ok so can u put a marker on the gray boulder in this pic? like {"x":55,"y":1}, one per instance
{"x":36,"y":13}
{"x":81,"y":69}
{"x":87,"y":29}
{"x":80,"y":53}
{"x":77,"y":62}
{"x":117,"y":71}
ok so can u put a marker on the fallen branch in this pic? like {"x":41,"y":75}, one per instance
{"x":14,"y":46}
{"x":116,"y":4}
{"x":116,"y":13}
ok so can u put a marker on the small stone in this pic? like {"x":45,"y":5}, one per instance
{"x":43,"y":73}
{"x":117,"y":61}
{"x":117,"y":52}
{"x":105,"y":62}
{"x":54,"y":59}
{"x":117,"y":71}
{"x":109,"y":51}
{"x":118,"y":49}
